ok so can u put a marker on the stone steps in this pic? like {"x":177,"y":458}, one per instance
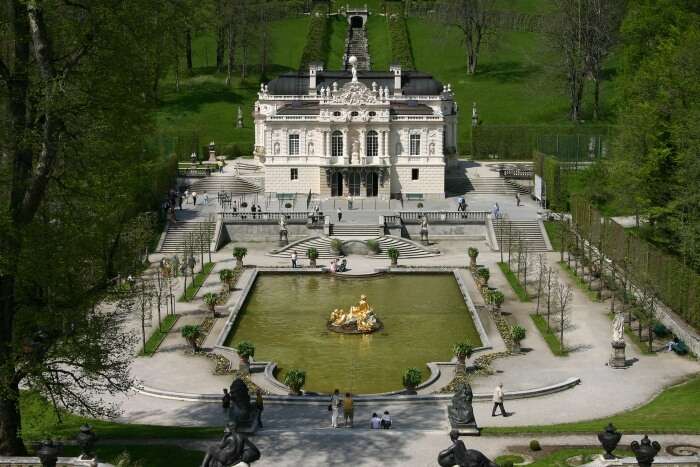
{"x":492,"y":186}
{"x":528,"y":232}
{"x":407,"y":249}
{"x":356,"y":230}
{"x":356,"y":45}
{"x":229,"y":183}
{"x":178,"y":235}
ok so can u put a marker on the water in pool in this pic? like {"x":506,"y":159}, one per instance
{"x":285,"y":317}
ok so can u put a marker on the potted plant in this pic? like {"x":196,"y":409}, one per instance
{"x":295,"y":379}
{"x":245,"y":350}
{"x":239,"y":253}
{"x":393,"y":255}
{"x":411,"y":380}
{"x":372,"y":246}
{"x":337,"y":246}
{"x":517,"y":333}
{"x":192,"y":334}
{"x":288,"y":205}
{"x":462,"y":350}
{"x":211,"y":299}
{"x":312,"y":254}
{"x":226,"y":276}
{"x":473,"y":253}
{"x":496,"y":298}
{"x":483,"y":274}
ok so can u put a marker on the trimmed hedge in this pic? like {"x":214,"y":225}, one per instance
{"x":316,"y":48}
{"x":401,"y":52}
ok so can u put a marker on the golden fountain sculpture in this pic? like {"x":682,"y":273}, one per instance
{"x":359,"y":320}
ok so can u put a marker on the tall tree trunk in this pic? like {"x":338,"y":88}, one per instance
{"x":188,"y":50}
{"x":596,"y":98}
{"x":11,"y":443}
{"x":231,"y":54}
{"x":220,"y":49}
{"x":244,"y":63}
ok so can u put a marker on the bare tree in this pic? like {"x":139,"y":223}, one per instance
{"x":551,"y":280}
{"x":144,"y":294}
{"x":541,"y":277}
{"x":563,"y":296}
{"x":473,"y":19}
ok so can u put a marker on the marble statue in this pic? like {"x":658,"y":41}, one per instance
{"x":360,"y":319}
{"x":461,"y":412}
{"x":283,"y":222}
{"x":239,"y":119}
{"x":431,"y":149}
{"x":355,"y":154}
{"x":234,"y":450}
{"x":276,"y":148}
{"x":353,"y":63}
{"x":459,"y":455}
{"x":310,"y":151}
{"x":424,"y":229}
{"x":242,"y":413}
{"x":618,"y":328}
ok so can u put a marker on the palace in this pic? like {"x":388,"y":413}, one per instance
{"x":355,"y":133}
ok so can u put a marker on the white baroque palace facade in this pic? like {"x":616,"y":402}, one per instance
{"x":360,"y":134}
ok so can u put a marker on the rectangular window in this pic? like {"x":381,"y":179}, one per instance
{"x":415,"y":145}
{"x":414,"y":174}
{"x":293,"y":145}
{"x":294,"y":174}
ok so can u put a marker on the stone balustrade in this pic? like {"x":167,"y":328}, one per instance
{"x":292,"y":217}
{"x":444,"y":217}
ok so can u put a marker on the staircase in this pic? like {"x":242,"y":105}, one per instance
{"x":177,"y":236}
{"x":529,"y":232}
{"x":356,"y":230}
{"x":356,"y":45}
{"x":231,"y":183}
{"x":407,"y":249}
{"x":492,"y":186}
{"x":322,"y":245}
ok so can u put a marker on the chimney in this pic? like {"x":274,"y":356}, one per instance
{"x":396,"y":69}
{"x":313,"y":69}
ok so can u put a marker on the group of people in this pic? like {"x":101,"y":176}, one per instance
{"x":339,"y":266}
{"x":347,"y":406}
{"x":192,"y":195}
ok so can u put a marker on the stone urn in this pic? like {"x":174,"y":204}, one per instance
{"x":645,"y":451}
{"x":48,"y":453}
{"x":609,"y":438}
{"x":86,"y":440}
{"x":515,"y":348}
{"x":312,"y":262}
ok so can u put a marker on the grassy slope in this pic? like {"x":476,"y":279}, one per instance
{"x":379,"y":43}
{"x":336,"y":48}
{"x":207,"y":106}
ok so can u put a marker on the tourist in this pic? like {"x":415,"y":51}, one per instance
{"x":334,"y":265}
{"x":375,"y":422}
{"x":259,"y":211}
{"x":340,"y":215}
{"x":194,"y":198}
{"x":343,"y":266}
{"x":205,"y":197}
{"x":517,"y":199}
{"x":334,"y":407}
{"x":259,"y":405}
{"x":220,"y":163}
{"x":226,"y":402}
{"x":234,"y":206}
{"x":179,"y":201}
{"x":498,"y":401}
{"x":253,"y":209}
{"x":386,"y":420}
{"x":187,"y":196}
{"x":348,"y":410}
{"x":294,"y":259}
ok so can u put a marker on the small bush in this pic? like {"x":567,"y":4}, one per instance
{"x":483,"y":273}
{"x":245,"y":349}
{"x":412,"y":377}
{"x":295,"y":379}
{"x":472,"y":252}
{"x":373,"y":246}
{"x":337,"y":245}
{"x":393,"y":253}
{"x":661,"y":330}
{"x":419,"y":205}
{"x":517,"y":332}
{"x":535,"y":445}
{"x":462,"y":350}
{"x":288,"y":205}
{"x":312,"y":253}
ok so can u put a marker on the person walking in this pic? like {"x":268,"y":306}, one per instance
{"x":226,"y":403}
{"x":179,"y":201}
{"x":194,"y":198}
{"x":340,"y":215}
{"x":187,"y":196}
{"x":517,"y":199}
{"x":335,"y":408}
{"x":386,"y":420}
{"x":498,"y":401}
{"x":253,"y":209}
{"x":294,"y":259}
{"x":348,"y":411}
{"x":206,"y":198}
{"x":259,"y":405}
{"x":375,"y":422}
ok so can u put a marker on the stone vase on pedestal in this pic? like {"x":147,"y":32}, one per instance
{"x":617,"y":357}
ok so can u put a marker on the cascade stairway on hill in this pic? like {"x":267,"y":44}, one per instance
{"x":492,"y":186}
{"x":177,"y":235}
{"x":231,"y":183}
{"x":528,"y":232}
{"x":407,"y":249}
{"x":357,"y":46}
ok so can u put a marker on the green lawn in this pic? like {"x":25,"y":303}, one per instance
{"x":336,"y":48}
{"x":145,"y":455}
{"x":514,"y":282}
{"x":549,"y":336}
{"x":196,"y":284}
{"x":558,"y":458}
{"x":592,"y":294}
{"x":675,"y":410}
{"x":379,"y":43}
{"x":159,"y":335}
{"x":554,"y":233}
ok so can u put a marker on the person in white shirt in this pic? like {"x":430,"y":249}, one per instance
{"x":375,"y":423}
{"x":335,"y":408}
{"x":206,"y":198}
{"x":498,"y":401}
{"x":294,"y":259}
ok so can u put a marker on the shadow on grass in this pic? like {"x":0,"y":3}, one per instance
{"x":507,"y":71}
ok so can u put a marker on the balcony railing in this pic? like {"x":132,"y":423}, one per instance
{"x":444,"y":217}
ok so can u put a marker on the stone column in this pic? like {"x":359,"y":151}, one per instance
{"x":363,"y":144}
{"x":325,"y":144}
{"x":347,"y":149}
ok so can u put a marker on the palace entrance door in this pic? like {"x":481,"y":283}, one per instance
{"x":372,"y":184}
{"x":337,"y":184}
{"x":354,"y":183}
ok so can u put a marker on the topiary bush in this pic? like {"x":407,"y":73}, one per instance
{"x":517,"y":333}
{"x":412,"y":378}
{"x":373,"y":246}
{"x":337,"y":246}
{"x":535,"y":445}
{"x":295,"y":379}
{"x":316,"y":48}
{"x":245,"y":349}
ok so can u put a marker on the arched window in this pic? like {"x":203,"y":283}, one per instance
{"x":337,"y":144}
{"x":372,"y":144}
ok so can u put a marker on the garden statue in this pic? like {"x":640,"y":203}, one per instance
{"x":617,"y":358}
{"x":459,"y":455}
{"x":86,"y":440}
{"x":461,"y":412}
{"x":284,"y":239}
{"x":424,"y":230}
{"x":359,"y":320}
{"x":48,"y":453}
{"x":608,"y":439}
{"x":175,"y":261}
{"x":353,"y":63}
{"x":242,"y":412}
{"x":645,"y":451}
{"x":239,"y":119}
{"x":355,"y":154}
{"x":234,"y":450}
{"x":475,"y":116}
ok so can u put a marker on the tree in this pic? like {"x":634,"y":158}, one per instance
{"x":563,"y":296}
{"x":73,"y":153}
{"x":541,"y":278}
{"x":473,"y":19}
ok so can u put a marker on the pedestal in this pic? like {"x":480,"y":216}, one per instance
{"x":283,"y":238}
{"x":424,"y":237}
{"x":617,"y":357}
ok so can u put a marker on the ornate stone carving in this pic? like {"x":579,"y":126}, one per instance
{"x":354,"y":93}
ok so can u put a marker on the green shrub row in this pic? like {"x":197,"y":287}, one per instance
{"x":316,"y":48}
{"x":401,"y":52}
